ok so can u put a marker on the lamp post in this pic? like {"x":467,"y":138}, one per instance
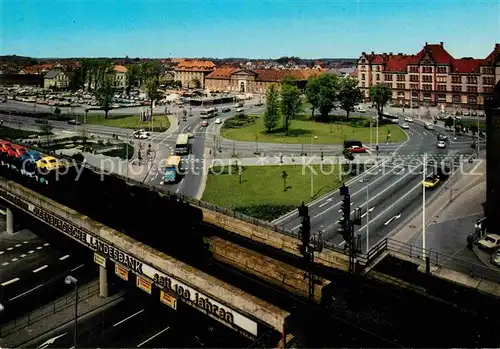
{"x":423,"y":205}
{"x":312,"y":176}
{"x":367,"y":217}
{"x":68,"y":281}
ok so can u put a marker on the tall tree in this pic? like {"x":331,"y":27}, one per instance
{"x":291,"y":103}
{"x":312,"y":93}
{"x":272,"y":113}
{"x":152,"y":86}
{"x":104,"y":95}
{"x":133,"y":72}
{"x":380,"y":95}
{"x":349,"y":94}
{"x":323,"y":93}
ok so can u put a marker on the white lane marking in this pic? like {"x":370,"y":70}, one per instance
{"x":5,"y":263}
{"x":153,"y":336}
{"x":326,"y":202}
{"x":22,"y":256}
{"x":78,"y":267}
{"x":31,"y":251}
{"x":177,"y":190}
{"x":10,"y":248}
{"x":364,"y":214}
{"x":46,"y":244}
{"x":390,"y":207}
{"x":14,"y":259}
{"x":10,"y":282}
{"x":391,"y":219}
{"x":64,"y":257}
{"x":25,"y":293}
{"x":2,"y":252}
{"x":41,"y":268}
{"x":51,"y":341}
{"x":39,"y":248}
{"x":26,"y":242}
{"x":127,"y":318}
{"x":342,"y":243}
{"x":18,"y":245}
{"x":425,"y":134}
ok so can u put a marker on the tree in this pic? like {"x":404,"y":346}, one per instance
{"x":322,"y":93}
{"x":474,"y":129}
{"x":290,"y":104}
{"x":349,"y":94}
{"x":104,"y":95}
{"x":46,"y":129}
{"x":133,"y":77}
{"x":449,"y":122}
{"x":380,"y":95}
{"x":152,"y":85}
{"x":271,"y":115}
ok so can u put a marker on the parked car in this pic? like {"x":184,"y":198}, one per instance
{"x":489,"y":243}
{"x":359,"y":109}
{"x":48,"y":163}
{"x":495,"y":258}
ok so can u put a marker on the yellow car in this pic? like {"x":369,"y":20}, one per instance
{"x":48,"y":163}
{"x":431,"y":181}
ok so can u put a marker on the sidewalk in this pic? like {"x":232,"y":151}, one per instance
{"x":287,"y":160}
{"x":90,"y":301}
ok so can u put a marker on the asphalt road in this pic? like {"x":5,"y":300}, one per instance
{"x":140,"y":321}
{"x":394,"y":189}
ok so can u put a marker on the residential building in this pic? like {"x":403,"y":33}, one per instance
{"x":118,"y":75}
{"x":191,"y":73}
{"x":431,"y":77}
{"x":36,"y":69}
{"x":253,"y":80}
{"x":56,"y":79}
{"x":492,"y":111}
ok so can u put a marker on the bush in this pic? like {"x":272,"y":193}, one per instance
{"x":57,"y":111}
{"x":265,"y":212}
{"x":78,"y":157}
{"x":240,"y":120}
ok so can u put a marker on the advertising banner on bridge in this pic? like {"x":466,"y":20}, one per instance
{"x":168,"y":299}
{"x":101,"y":260}
{"x":122,"y":272}
{"x":144,"y":285}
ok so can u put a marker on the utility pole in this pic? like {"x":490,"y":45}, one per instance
{"x":346,"y":226}
{"x":423,"y":206}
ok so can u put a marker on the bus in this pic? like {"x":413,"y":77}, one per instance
{"x":182,"y":144}
{"x":389,"y":117}
{"x":172,"y":169}
{"x":208,"y":113}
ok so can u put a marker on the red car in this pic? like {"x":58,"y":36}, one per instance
{"x":5,"y":146}
{"x":204,"y":123}
{"x":356,"y":149}
{"x":16,"y":151}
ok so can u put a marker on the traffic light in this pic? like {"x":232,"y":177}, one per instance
{"x":305,"y":228}
{"x":357,"y":216}
{"x":346,"y":207}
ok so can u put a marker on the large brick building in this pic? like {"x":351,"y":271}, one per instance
{"x":432,"y":76}
{"x":191,"y":73}
{"x":253,"y":80}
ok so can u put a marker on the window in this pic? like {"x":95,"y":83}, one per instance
{"x":413,"y":69}
{"x":401,"y":77}
{"x":441,"y":78}
{"x":487,"y":89}
{"x":388,"y":77}
{"x":456,"y":79}
{"x":427,"y":69}
{"x":400,"y":86}
{"x":414,"y":78}
{"x":362,"y":76}
{"x":414,"y":86}
{"x":378,"y":68}
{"x":426,"y":87}
{"x":378,"y":77}
{"x":456,"y":99}
{"x":441,"y":87}
{"x":363,"y":84}
{"x":488,"y":80}
{"x":427,"y":78}
{"x":472,"y":80}
{"x":456,"y":88}
{"x":441,"y":97}
{"x":472,"y":89}
{"x":488,"y":71}
{"x":363,"y":61}
{"x":442,"y":70}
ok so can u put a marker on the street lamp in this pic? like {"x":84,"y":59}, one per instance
{"x":312,"y":176}
{"x":68,"y":281}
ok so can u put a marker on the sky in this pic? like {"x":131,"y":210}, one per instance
{"x":245,"y":28}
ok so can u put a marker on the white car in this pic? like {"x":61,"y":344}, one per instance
{"x":142,"y":135}
{"x":218,"y":121}
{"x":441,"y":144}
{"x":489,"y":243}
{"x":405,"y":125}
{"x":359,"y":109}
{"x":429,"y":126}
{"x":408,"y":119}
{"x":495,"y":258}
{"x":239,"y":110}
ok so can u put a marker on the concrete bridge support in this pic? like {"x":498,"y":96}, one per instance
{"x":103,"y":282}
{"x":9,"y":220}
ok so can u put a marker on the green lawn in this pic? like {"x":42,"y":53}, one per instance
{"x":13,"y":133}
{"x":261,"y":193}
{"x":303,"y":130}
{"x":160,"y":123}
{"x":468,"y":123}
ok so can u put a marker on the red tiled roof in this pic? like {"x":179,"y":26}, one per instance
{"x":264,"y":75}
{"x":120,"y":69}
{"x":221,"y":73}
{"x":437,"y":52}
{"x":195,"y":65}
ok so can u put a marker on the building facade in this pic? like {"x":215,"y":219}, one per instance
{"x":118,"y":76}
{"x":254,"y":81}
{"x":56,"y":79}
{"x":192,"y":73}
{"x":492,"y":111}
{"x":432,"y":77}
